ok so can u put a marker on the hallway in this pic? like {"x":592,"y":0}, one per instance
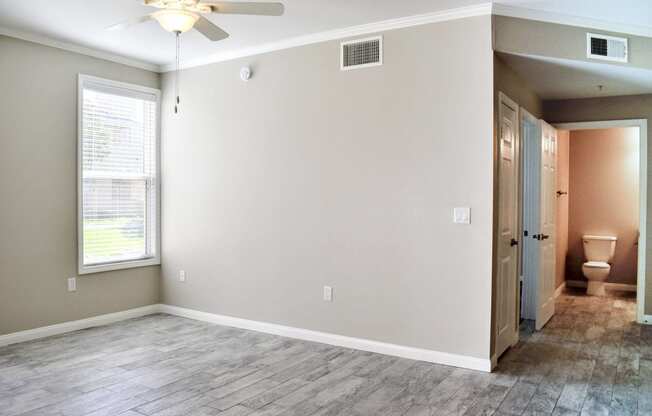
{"x":590,"y":358}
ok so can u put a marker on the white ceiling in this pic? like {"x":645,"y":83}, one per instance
{"x":554,"y":78}
{"x":83,"y":22}
{"x":626,"y":16}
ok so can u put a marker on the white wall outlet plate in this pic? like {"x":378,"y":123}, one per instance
{"x":182,"y":275}
{"x":72,"y":284}
{"x":328,"y":293}
{"x":462,"y":215}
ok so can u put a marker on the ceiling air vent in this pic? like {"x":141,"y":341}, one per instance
{"x":607,"y":48}
{"x":362,"y":53}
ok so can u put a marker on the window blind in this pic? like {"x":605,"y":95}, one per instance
{"x":118,"y":157}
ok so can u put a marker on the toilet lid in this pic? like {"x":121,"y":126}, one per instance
{"x":597,"y":264}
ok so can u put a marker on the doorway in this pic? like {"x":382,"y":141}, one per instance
{"x":529,"y":258}
{"x":538,"y":231}
{"x":626,"y":246}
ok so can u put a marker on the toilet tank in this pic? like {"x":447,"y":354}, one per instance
{"x":599,"y":247}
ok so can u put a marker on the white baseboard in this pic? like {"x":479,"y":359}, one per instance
{"x":432,"y":356}
{"x":62,"y":328}
{"x":437,"y":357}
{"x":560,"y":289}
{"x":610,"y":286}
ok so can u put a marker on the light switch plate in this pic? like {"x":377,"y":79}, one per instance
{"x":462,"y":215}
{"x":182,"y":275}
{"x":328,"y":293}
{"x":72,"y":284}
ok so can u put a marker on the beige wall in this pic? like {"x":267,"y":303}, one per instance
{"x":604,"y":178}
{"x":611,"y":108}
{"x":563,"y":184}
{"x":308,"y":176}
{"x":529,"y":37}
{"x":38,"y":203}
{"x":507,"y":81}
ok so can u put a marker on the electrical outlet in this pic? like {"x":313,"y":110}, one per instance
{"x":462,"y":215}
{"x":182,"y":275}
{"x":328,"y":293}
{"x":72,"y":284}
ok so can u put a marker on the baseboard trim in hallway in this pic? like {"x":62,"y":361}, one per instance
{"x":62,"y":328}
{"x":610,"y":286}
{"x":419,"y":354}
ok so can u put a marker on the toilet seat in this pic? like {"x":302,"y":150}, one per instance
{"x":597,"y":264}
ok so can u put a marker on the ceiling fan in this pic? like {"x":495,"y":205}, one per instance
{"x":179,"y":16}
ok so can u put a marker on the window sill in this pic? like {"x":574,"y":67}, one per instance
{"x":132,"y":264}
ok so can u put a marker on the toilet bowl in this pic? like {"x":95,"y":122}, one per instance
{"x":599,"y":251}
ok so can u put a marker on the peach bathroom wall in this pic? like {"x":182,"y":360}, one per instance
{"x":603,"y":197}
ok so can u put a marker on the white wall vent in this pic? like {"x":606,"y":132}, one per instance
{"x":607,"y":48}
{"x":361,"y":53}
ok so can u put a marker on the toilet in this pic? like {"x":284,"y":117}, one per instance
{"x":599,"y":251}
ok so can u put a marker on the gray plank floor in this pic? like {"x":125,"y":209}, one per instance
{"x":591,"y":359}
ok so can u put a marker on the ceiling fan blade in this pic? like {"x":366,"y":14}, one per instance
{"x":258,"y":8}
{"x":130,"y":22}
{"x":210,"y":30}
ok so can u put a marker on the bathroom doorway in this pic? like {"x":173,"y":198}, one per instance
{"x":601,"y":208}
{"x":594,"y":201}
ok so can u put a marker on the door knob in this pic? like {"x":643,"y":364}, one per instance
{"x":513,"y":243}
{"x":544,"y":236}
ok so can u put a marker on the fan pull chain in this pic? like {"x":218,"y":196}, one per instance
{"x":176,"y":75}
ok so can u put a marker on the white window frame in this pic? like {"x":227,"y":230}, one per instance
{"x":118,"y":265}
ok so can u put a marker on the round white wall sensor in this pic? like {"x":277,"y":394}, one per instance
{"x":245,"y":73}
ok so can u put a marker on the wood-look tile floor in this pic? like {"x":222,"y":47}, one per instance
{"x":591,"y":359}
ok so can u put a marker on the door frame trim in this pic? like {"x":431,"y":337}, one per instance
{"x":642,"y":195}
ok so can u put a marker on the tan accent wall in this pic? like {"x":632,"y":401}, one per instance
{"x":507,"y":81}
{"x":562,"y":205}
{"x":530,"y":37}
{"x":307,"y":176}
{"x":611,"y":108}
{"x":38,"y":199}
{"x":604,"y":179}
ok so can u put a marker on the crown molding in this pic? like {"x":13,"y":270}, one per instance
{"x":483,"y":9}
{"x":365,"y":29}
{"x":570,"y":20}
{"x":83,"y":50}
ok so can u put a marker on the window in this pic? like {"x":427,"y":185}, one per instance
{"x":118,"y":180}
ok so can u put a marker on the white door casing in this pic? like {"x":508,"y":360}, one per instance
{"x":506,"y":250}
{"x":547,"y":235}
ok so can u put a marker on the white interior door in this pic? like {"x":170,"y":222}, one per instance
{"x":531,"y":138}
{"x":507,"y":253}
{"x":547,"y":236}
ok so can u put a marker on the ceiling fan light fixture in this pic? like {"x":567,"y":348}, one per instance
{"x":177,"y":21}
